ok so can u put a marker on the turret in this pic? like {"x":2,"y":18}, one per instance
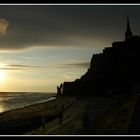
{"x":128,"y":33}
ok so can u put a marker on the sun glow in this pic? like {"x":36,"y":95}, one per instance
{"x":2,"y":76}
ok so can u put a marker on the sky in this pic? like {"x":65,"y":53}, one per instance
{"x":41,"y":46}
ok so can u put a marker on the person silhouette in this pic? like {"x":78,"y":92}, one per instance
{"x":43,"y":123}
{"x":60,"y":115}
{"x":62,"y":108}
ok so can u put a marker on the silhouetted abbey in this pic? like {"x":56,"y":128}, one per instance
{"x":115,"y":71}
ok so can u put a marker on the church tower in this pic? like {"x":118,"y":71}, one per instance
{"x":128,"y":33}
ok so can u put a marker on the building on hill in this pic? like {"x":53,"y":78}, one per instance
{"x":115,"y":71}
{"x":128,"y":33}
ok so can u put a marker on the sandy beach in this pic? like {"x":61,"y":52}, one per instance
{"x":22,"y":120}
{"x":80,"y":115}
{"x":92,"y":116}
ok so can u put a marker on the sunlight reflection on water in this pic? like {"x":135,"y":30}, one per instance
{"x":2,"y":107}
{"x":9,"y":102}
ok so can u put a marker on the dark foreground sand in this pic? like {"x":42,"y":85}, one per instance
{"x":92,"y":116}
{"x":80,"y":115}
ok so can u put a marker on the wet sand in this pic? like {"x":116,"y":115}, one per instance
{"x":22,"y":120}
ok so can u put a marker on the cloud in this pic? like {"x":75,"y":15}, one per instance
{"x":83,"y":64}
{"x":58,"y":26}
{"x":22,"y":67}
{"x":36,"y":67}
{"x":3,"y":26}
{"x":73,"y":65}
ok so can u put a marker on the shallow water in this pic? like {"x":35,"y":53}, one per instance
{"x":13,"y":100}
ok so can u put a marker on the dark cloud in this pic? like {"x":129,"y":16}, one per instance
{"x":74,"y":65}
{"x":22,"y":67}
{"x":82,"y":64}
{"x":25,"y":66}
{"x":9,"y":68}
{"x":32,"y":67}
{"x":77,"y":26}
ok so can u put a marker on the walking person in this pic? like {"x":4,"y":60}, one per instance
{"x":62,"y":108}
{"x":60,"y":116}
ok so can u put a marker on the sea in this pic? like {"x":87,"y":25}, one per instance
{"x":14,"y":100}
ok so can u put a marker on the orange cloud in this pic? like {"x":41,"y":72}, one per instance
{"x":3,"y":26}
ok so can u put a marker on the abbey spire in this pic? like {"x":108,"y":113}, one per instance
{"x":128,"y":33}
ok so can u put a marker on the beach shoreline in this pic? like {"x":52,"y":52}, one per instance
{"x":12,"y":118}
{"x":26,"y":106}
{"x":22,"y":120}
{"x":10,"y":101}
